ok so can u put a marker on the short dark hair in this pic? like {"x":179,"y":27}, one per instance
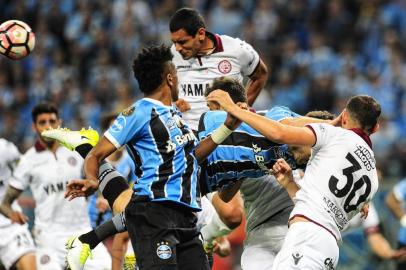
{"x":149,"y":67}
{"x":365,"y":110}
{"x":43,"y":107}
{"x":324,"y":115}
{"x":188,"y":19}
{"x":106,"y":119}
{"x":232,"y":86}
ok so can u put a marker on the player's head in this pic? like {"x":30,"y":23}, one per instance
{"x":45,"y":115}
{"x":188,"y":32}
{"x":232,"y":86}
{"x":302,"y":154}
{"x":362,"y":112}
{"x":154,"y":70}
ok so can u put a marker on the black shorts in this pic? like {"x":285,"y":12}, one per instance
{"x":164,"y":236}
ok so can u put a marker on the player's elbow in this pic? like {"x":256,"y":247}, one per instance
{"x":232,"y":218}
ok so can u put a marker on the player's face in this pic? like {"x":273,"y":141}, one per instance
{"x":301,"y":154}
{"x":188,"y":46}
{"x":173,"y":84}
{"x":45,"y":121}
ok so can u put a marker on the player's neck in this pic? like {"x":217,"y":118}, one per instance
{"x":163,"y":95}
{"x":52,"y":146}
{"x":207,"y":47}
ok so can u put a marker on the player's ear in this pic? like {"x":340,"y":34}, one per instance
{"x":201,"y":34}
{"x":169,"y":79}
{"x":375,"y":129}
{"x":33,"y":127}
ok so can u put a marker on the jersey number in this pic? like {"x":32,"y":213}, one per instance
{"x":350,"y":187}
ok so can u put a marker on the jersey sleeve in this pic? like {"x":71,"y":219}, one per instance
{"x":323,"y":133}
{"x":126,"y":126}
{"x":279,"y":113}
{"x":248,"y":58}
{"x":399,"y":190}
{"x":21,"y":175}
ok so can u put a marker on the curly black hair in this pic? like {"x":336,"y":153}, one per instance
{"x":232,"y":86}
{"x":149,"y":67}
{"x":188,"y":19}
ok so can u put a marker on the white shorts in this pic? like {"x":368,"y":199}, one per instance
{"x":307,"y":246}
{"x":51,"y":253}
{"x":15,"y":242}
{"x":261,"y":247}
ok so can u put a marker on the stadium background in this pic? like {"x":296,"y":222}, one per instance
{"x":319,"y":52}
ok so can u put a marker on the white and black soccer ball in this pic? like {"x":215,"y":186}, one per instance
{"x":16,"y":39}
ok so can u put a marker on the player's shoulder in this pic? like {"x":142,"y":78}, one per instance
{"x":278,"y":113}
{"x":7,"y":146}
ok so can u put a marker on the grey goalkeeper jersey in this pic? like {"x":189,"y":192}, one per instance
{"x":266,"y":203}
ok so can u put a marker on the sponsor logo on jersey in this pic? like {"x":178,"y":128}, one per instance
{"x":296,"y":257}
{"x":224,"y":66}
{"x":185,"y":66}
{"x":366,"y":157}
{"x":119,"y":124}
{"x":193,"y":89}
{"x":259,"y":159}
{"x":334,"y":211}
{"x":163,"y":251}
{"x":55,"y":188}
{"x":180,"y":140}
{"x":328,"y":264}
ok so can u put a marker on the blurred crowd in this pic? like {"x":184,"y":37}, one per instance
{"x":319,"y":53}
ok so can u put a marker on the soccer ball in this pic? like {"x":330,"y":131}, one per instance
{"x":16,"y":39}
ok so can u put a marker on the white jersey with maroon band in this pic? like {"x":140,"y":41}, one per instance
{"x":339,"y":178}
{"x":9,"y":156}
{"x":47,"y":174}
{"x":232,"y":57}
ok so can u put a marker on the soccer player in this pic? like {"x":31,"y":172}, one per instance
{"x":201,"y":56}
{"x":46,"y":168}
{"x":394,"y":200}
{"x":160,"y":217}
{"x":245,"y":158}
{"x":339,"y":179}
{"x":16,"y":246}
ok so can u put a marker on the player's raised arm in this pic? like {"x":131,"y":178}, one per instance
{"x":273,"y":130}
{"x":256,"y":82}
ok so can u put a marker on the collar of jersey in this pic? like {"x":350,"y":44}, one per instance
{"x":218,"y":44}
{"x":39,"y":147}
{"x":157,"y":102}
{"x":363,"y":135}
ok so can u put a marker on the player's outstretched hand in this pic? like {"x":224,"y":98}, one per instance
{"x":80,"y":188}
{"x":18,"y":217}
{"x":337,"y":121}
{"x":399,"y":254}
{"x":182,"y":105}
{"x":222,"y":98}
{"x":232,"y":122}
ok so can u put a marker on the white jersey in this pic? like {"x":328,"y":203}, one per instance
{"x":339,"y":178}
{"x":47,"y":174}
{"x":369,"y":224}
{"x":232,"y":57}
{"x":9,"y":156}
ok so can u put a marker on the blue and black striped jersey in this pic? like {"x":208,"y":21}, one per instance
{"x":245,"y":153}
{"x":161,"y":146}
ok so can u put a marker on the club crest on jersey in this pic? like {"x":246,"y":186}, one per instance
{"x":129,"y":111}
{"x":224,"y":66}
{"x":72,"y":161}
{"x":163,"y":250}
